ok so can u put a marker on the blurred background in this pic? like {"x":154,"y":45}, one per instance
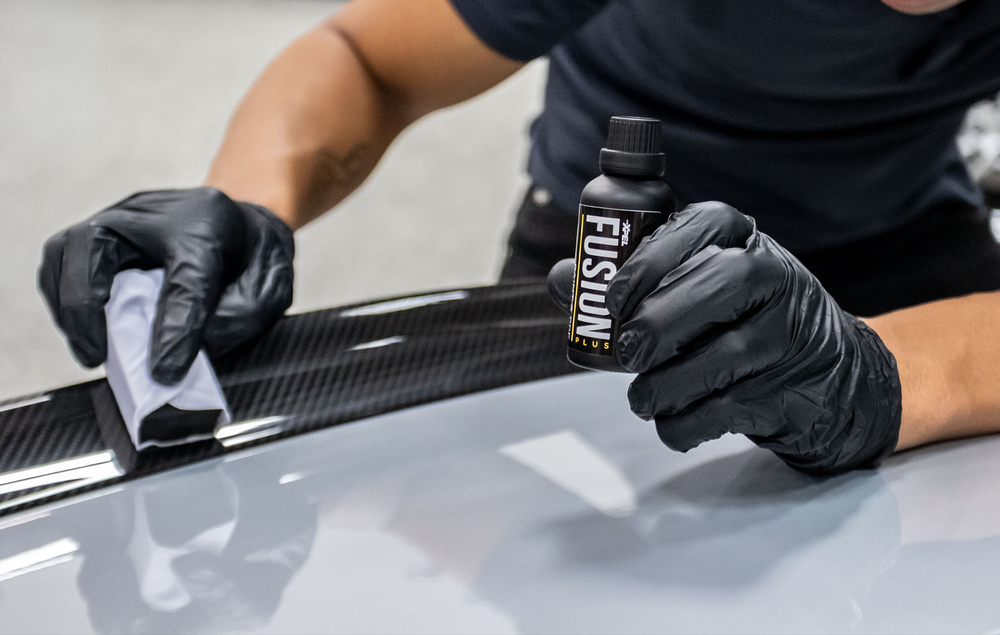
{"x":100,"y":98}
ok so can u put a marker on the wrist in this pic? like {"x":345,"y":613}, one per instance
{"x":933,"y":398}
{"x":863,"y":419}
{"x":881,"y":417}
{"x":268,"y":196}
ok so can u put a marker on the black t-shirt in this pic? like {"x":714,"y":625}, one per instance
{"x":827,"y":120}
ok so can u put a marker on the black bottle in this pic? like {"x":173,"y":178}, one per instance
{"x":617,"y":210}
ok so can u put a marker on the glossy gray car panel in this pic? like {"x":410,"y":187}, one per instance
{"x":546,"y":507}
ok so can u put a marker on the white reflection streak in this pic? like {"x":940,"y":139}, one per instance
{"x":83,"y":478}
{"x":25,"y":403}
{"x":389,"y":341}
{"x":404,"y":304}
{"x":577,"y":467}
{"x":22,"y":518}
{"x":250,"y":436}
{"x":242,"y":427}
{"x":290,"y":478}
{"x":34,"y":559}
{"x":83,"y":467}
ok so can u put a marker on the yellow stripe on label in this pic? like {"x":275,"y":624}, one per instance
{"x":576,"y":270}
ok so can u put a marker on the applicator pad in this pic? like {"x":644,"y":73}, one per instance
{"x":155,"y":414}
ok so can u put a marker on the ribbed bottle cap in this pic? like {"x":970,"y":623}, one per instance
{"x":634,"y":148}
{"x":635,"y":134}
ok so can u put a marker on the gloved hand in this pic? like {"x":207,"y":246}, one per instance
{"x":730,"y":333}
{"x":228,"y":274}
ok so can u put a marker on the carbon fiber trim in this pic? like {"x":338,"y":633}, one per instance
{"x":312,"y":370}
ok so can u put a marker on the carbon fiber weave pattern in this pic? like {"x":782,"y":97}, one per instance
{"x":311,"y":371}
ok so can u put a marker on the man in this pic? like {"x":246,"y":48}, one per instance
{"x":830,"y":122}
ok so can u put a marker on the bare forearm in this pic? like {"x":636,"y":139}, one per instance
{"x":316,"y":122}
{"x":948,"y":356}
{"x":309,"y":131}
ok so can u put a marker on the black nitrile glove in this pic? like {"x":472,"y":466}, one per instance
{"x":228,"y":274}
{"x":730,"y":333}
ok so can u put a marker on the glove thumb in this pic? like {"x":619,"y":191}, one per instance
{"x":561,"y":283}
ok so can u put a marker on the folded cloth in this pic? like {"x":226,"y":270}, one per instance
{"x":155,"y":414}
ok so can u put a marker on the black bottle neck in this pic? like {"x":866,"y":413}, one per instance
{"x":634,"y":164}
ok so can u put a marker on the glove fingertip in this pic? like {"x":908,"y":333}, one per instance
{"x":86,"y":332}
{"x":89,"y":356}
{"x":640,"y":400}
{"x":670,"y":436}
{"x":636,"y":350}
{"x":169,"y":370}
{"x":703,"y":421}
{"x":615,"y":297}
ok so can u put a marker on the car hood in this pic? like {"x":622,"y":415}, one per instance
{"x":540,"y":507}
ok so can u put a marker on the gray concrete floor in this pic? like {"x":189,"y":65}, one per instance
{"x":99,"y":98}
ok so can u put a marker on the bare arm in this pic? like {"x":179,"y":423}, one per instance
{"x":948,"y":355}
{"x":314,"y":125}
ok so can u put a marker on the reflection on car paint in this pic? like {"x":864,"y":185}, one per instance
{"x":245,"y":431}
{"x":472,"y":515}
{"x":54,"y":553}
{"x":45,"y":481}
{"x":574,"y":465}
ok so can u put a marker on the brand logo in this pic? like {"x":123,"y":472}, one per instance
{"x":598,"y":254}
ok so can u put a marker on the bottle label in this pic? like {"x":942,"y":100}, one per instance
{"x":605,"y":239}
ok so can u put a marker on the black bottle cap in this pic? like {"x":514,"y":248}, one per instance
{"x":635,"y":148}
{"x":635,"y":134}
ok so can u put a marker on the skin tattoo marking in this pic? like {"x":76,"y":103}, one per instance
{"x":333,"y":173}
{"x":334,"y":170}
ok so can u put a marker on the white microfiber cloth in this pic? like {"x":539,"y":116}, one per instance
{"x":153,"y":413}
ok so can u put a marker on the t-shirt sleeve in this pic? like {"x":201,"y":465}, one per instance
{"x":525,"y":29}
